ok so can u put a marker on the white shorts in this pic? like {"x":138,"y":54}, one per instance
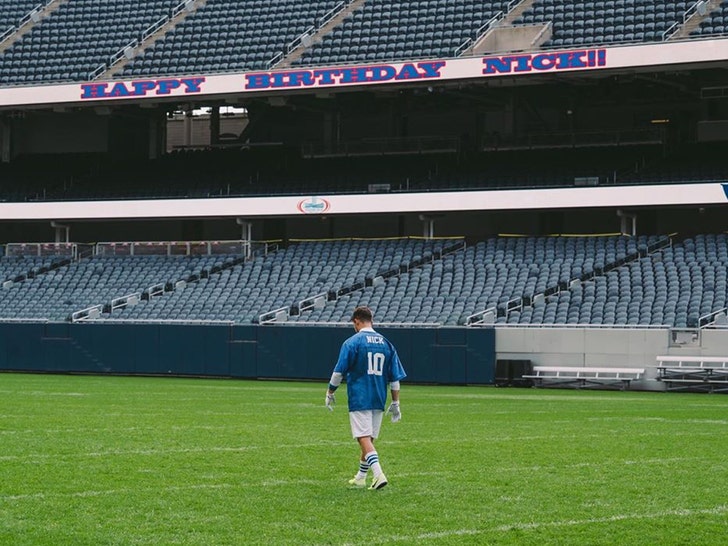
{"x":366,"y":423}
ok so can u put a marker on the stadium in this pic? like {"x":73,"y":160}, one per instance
{"x":526,"y":193}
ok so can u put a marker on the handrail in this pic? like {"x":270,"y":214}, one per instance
{"x":462,"y":47}
{"x":333,"y":12}
{"x":84,"y":314}
{"x":123,"y":301}
{"x":179,"y":8}
{"x":154,"y":27}
{"x":586,"y":326}
{"x":122,"y":51}
{"x":479,"y":317}
{"x":512,"y":4}
{"x":9,"y":32}
{"x":672,"y":29}
{"x":177,"y":248}
{"x":278,"y":57}
{"x":294,"y":44}
{"x":310,"y":302}
{"x":707,"y":320}
{"x":469,"y":42}
{"x":485,"y":26}
{"x":69,"y":250}
{"x":272,"y":316}
{"x":548,"y":26}
{"x":160,"y":321}
{"x":28,"y":16}
{"x":342,"y":324}
{"x":97,"y":71}
{"x":155,"y":289}
{"x":689,"y":13}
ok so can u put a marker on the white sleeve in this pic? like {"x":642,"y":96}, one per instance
{"x":336,"y":379}
{"x":394,"y":386}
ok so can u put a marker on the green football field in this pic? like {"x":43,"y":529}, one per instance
{"x":162,"y":461}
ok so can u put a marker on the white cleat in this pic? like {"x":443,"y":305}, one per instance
{"x":358,"y":482}
{"x":378,"y":483}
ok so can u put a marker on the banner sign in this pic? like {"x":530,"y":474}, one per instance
{"x":252,"y":207}
{"x":654,"y":56}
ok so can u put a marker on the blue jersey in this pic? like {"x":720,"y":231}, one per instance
{"x":368,"y":362}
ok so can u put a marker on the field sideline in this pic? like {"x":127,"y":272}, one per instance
{"x":159,"y":461}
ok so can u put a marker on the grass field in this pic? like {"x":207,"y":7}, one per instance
{"x":158,"y":461}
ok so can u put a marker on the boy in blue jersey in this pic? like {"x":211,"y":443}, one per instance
{"x":370,"y":363}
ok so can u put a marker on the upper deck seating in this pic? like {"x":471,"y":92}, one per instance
{"x":77,"y":38}
{"x":614,"y":21}
{"x":383,"y":30}
{"x":225,"y":35}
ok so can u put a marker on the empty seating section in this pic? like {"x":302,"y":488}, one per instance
{"x":17,"y":267}
{"x":12,"y":11}
{"x":613,"y":280}
{"x":282,"y":279}
{"x":389,"y":30}
{"x":593,"y":23}
{"x":77,"y":38}
{"x":57,"y":294}
{"x":226,"y":35}
{"x":673,"y":287}
{"x":715,"y":23}
{"x":487,"y":275}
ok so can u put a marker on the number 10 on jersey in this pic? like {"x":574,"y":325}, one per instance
{"x":376,"y":363}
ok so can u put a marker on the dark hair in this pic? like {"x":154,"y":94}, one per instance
{"x":362,"y":313}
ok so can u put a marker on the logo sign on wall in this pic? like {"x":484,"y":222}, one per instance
{"x":313,"y":205}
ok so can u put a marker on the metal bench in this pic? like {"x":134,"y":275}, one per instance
{"x":693,"y":373}
{"x":582,"y":377}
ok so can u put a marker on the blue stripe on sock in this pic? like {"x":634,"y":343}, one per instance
{"x":373,"y":458}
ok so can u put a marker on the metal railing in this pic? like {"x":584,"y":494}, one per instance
{"x":181,"y":248}
{"x":328,"y":16}
{"x":709,"y":319}
{"x":312,"y":301}
{"x":484,"y":317}
{"x":70,"y":250}
{"x":96,"y":72}
{"x":89,"y":313}
{"x":341,"y":324}
{"x":123,"y":301}
{"x":9,"y":32}
{"x":154,"y":290}
{"x":179,"y":8}
{"x":154,"y":27}
{"x":689,"y":13}
{"x":31,"y":14}
{"x":159,"y":321}
{"x":274,"y":317}
{"x":122,"y":52}
{"x":563,"y":325}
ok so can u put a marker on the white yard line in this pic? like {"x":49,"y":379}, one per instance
{"x":535,"y":525}
{"x":33,"y":458}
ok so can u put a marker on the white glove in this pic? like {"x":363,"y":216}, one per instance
{"x":330,"y":401}
{"x":394,"y":410}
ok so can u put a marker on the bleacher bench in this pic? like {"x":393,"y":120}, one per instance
{"x":693,"y":373}
{"x":583,"y":377}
